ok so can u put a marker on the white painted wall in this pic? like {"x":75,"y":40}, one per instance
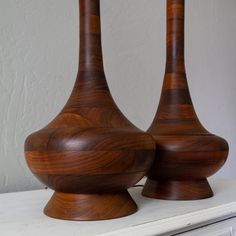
{"x":39,"y":57}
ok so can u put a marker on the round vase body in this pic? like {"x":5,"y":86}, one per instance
{"x":90,"y":154}
{"x":186,"y":153}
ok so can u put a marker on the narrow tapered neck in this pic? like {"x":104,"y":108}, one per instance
{"x":90,"y":57}
{"x":175,"y":36}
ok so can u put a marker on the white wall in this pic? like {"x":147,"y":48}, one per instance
{"x":39,"y":57}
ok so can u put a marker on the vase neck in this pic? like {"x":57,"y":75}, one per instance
{"x":90,"y":57}
{"x":175,"y":36}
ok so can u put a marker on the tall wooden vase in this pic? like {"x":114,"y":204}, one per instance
{"x":90,"y":153}
{"x":186,"y":153}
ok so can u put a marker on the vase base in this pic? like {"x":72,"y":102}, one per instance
{"x":88,"y":207}
{"x":177,"y":190}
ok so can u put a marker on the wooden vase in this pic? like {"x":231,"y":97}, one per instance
{"x":90,"y":153}
{"x":186,"y":153}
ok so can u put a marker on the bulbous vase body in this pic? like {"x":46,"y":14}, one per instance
{"x":90,"y":154}
{"x":186,"y":153}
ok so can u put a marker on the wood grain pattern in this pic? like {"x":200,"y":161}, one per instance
{"x":78,"y":207}
{"x":186,"y":153}
{"x":90,"y":153}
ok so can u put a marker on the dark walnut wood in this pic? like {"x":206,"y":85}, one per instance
{"x":186,"y":153}
{"x":90,"y":153}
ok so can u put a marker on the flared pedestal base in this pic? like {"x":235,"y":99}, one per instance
{"x":81,"y":207}
{"x":177,"y":190}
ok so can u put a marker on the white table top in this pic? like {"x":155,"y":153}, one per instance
{"x":21,"y":215}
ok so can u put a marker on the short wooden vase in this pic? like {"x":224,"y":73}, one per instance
{"x":90,"y":153}
{"x":186,"y":153}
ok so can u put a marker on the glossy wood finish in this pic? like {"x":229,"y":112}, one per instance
{"x":186,"y":153}
{"x":78,"y":207}
{"x":90,"y":153}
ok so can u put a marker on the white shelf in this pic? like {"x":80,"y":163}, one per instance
{"x":21,"y":215}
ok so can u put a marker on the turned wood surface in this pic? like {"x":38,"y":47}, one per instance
{"x":186,"y":153}
{"x":70,"y":206}
{"x":90,"y":148}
